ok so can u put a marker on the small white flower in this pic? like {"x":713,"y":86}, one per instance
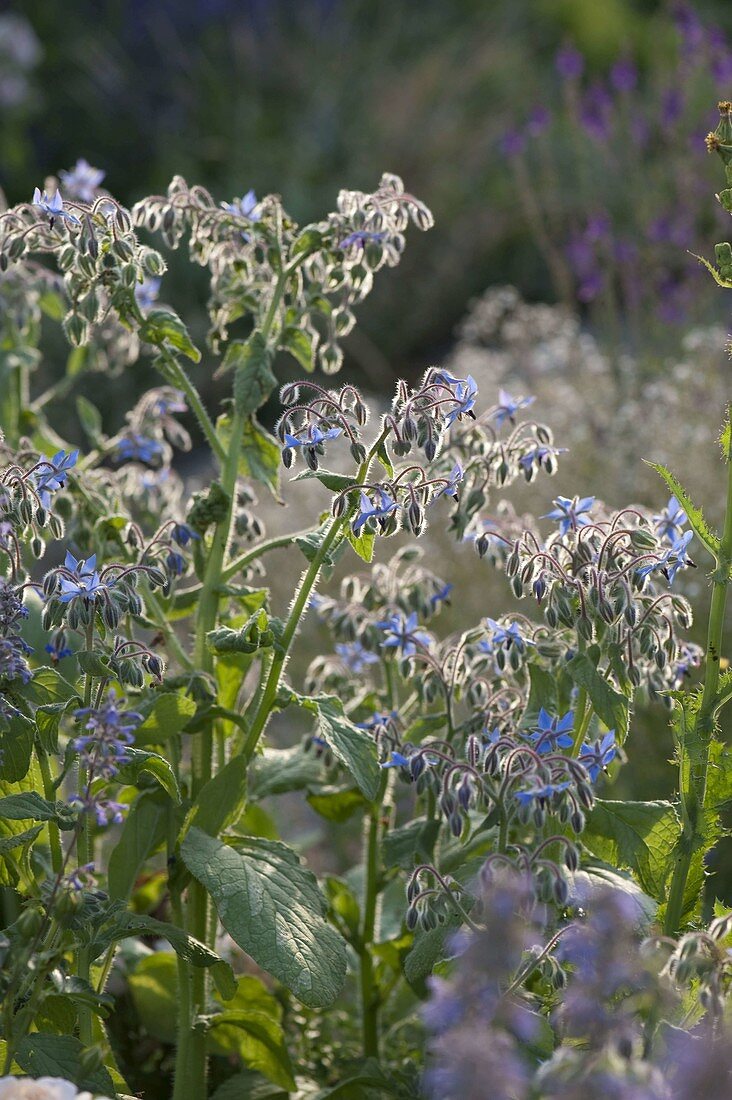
{"x":44,"y":1088}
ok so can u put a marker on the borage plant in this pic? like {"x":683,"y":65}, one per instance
{"x":492,"y":874}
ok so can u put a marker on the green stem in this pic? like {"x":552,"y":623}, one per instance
{"x":370,"y":1001}
{"x":195,"y":403}
{"x":694,"y":757}
{"x":49,"y":792}
{"x":171,"y":638}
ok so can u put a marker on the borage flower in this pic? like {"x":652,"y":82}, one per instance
{"x":668,"y":524}
{"x":450,"y":488}
{"x":355,"y":657}
{"x":82,"y":180}
{"x":596,"y":755}
{"x":404,"y":634}
{"x":49,"y":474}
{"x":367,"y":510}
{"x":81,"y":579}
{"x":508,"y":406}
{"x":571,"y":513}
{"x":138,"y":448}
{"x":552,"y":734}
{"x":53,"y":206}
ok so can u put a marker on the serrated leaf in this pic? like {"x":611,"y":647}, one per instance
{"x":272,"y":908}
{"x":609,"y":705}
{"x":31,"y":806}
{"x":694,"y":515}
{"x":254,"y":378}
{"x":636,"y":835}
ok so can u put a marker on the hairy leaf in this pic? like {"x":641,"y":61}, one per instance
{"x":695,"y":515}
{"x":637,"y":835}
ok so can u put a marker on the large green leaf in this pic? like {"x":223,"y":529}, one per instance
{"x":221,"y":800}
{"x":637,"y":835}
{"x":272,"y":908}
{"x":145,"y":829}
{"x":166,"y":715}
{"x":17,"y":746}
{"x":351,"y":746}
{"x":251,"y":1027}
{"x":277,"y":771}
{"x":254,"y":378}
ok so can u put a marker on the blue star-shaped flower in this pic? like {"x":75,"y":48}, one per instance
{"x":355,"y":657}
{"x":508,"y":406}
{"x":245,"y":207}
{"x":403,"y":634}
{"x":368,"y":510}
{"x":465,"y":394}
{"x":571,"y":512}
{"x":596,"y":755}
{"x":312,"y":437}
{"x":82,"y":180}
{"x":138,"y":448}
{"x":450,"y":488}
{"x":671,"y":561}
{"x":146,"y":294}
{"x":669,"y":522}
{"x":396,"y":760}
{"x":53,"y":206}
{"x":543,"y":794}
{"x":84,"y":581}
{"x":508,"y":636}
{"x":551,"y":733}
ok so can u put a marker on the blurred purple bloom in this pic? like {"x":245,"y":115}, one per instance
{"x":82,"y":180}
{"x":146,"y":293}
{"x":624,"y":75}
{"x":596,"y":111}
{"x":569,"y":62}
{"x":508,"y":406}
{"x":355,"y":657}
{"x":245,"y":207}
{"x":512,"y":144}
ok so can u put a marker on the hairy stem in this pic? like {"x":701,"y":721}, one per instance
{"x":694,"y":759}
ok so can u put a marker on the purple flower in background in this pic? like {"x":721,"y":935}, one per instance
{"x":596,"y":111}
{"x":137,"y":448}
{"x":146,"y":293}
{"x":569,"y":62}
{"x":355,"y":657}
{"x":360,"y":238}
{"x":538,"y":121}
{"x":624,"y":75}
{"x":443,"y":596}
{"x":689,"y":26}
{"x":512,"y":144}
{"x":598,"y":227}
{"x":672,"y":105}
{"x":82,"y":180}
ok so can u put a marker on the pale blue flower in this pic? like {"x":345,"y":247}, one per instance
{"x":53,"y":206}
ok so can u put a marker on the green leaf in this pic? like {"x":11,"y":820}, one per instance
{"x":610,"y":706}
{"x":125,"y":924}
{"x":411,"y":843}
{"x":542,"y":693}
{"x":163,"y":326}
{"x":636,"y":835}
{"x":43,"y":1055}
{"x":336,"y":804}
{"x":154,"y":988}
{"x":140,"y":760}
{"x":250,"y":1085}
{"x":17,"y":746}
{"x":362,"y":543}
{"x":254,"y":378}
{"x":30,"y":806}
{"x":302,"y":345}
{"x":18,"y":840}
{"x":695,"y":515}
{"x":272,"y":908}
{"x":251,"y":1026}
{"x":351,"y":746}
{"x":48,"y":718}
{"x":383,"y":456}
{"x":91,"y":421}
{"x":309,"y":240}
{"x":221,"y":800}
{"x":145,"y":829}
{"x":260,"y":455}
{"x":277,"y":771}
{"x":335,"y":482}
{"x":169,"y":714}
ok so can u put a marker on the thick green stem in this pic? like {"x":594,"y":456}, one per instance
{"x":49,"y":792}
{"x":370,"y":1001}
{"x":694,"y":759}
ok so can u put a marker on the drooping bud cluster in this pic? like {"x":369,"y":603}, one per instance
{"x":327,"y":267}
{"x":314,"y":415}
{"x":28,"y":484}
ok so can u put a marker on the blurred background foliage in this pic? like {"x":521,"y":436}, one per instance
{"x":559,"y":144}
